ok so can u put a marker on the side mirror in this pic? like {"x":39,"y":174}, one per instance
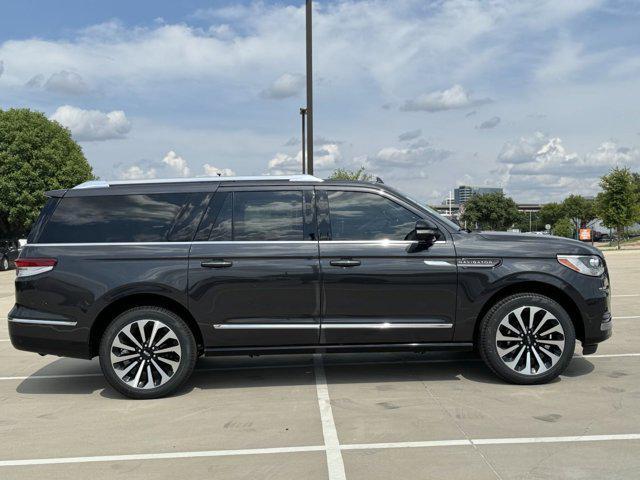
{"x":426,"y":232}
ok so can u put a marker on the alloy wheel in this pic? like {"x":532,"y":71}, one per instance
{"x":530,"y":340}
{"x":145,"y":354}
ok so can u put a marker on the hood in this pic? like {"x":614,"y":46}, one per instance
{"x":507,"y":244}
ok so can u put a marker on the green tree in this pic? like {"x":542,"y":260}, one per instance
{"x":491,"y":211}
{"x":36,"y":155}
{"x":550,"y":213}
{"x":344,"y":174}
{"x":564,"y":228}
{"x":618,"y":205}
{"x":579,"y":209}
{"x":528,"y":222}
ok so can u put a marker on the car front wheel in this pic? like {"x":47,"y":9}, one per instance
{"x":527,"y":339}
{"x":147,"y":352}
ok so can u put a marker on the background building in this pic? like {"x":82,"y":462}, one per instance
{"x":465,"y":192}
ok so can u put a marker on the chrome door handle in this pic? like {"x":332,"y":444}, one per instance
{"x":216,"y":264}
{"x":345,"y":262}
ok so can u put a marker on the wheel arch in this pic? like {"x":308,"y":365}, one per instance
{"x":115,"y":308}
{"x":541,"y":288}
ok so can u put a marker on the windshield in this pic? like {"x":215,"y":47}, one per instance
{"x":454,"y":226}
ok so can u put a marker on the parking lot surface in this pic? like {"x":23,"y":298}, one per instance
{"x":368,"y":416}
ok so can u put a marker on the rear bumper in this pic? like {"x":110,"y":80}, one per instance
{"x":52,"y":336}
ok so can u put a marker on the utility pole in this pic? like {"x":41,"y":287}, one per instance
{"x":309,"y":109}
{"x":303,"y":113}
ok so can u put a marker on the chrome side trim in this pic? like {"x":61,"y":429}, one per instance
{"x":439,"y":263}
{"x":265,"y":326}
{"x":376,"y":242}
{"x":232,"y":242}
{"x":385,"y":325}
{"x":35,"y":321}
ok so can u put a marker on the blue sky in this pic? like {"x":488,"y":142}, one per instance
{"x":539,"y":97}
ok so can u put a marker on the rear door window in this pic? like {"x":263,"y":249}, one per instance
{"x":268,"y":215}
{"x":114,"y":218}
{"x":250,"y":215}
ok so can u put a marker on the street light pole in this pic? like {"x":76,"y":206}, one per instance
{"x":303,"y":113}
{"x":309,"y":9}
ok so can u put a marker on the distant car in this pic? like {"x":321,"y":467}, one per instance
{"x":8,"y":254}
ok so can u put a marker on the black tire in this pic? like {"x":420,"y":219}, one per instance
{"x":171,"y":324}
{"x":489,"y":330}
{"x":4,"y":264}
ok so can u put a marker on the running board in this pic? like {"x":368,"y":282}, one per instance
{"x":376,"y":347}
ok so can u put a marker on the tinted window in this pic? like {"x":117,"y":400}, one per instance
{"x":222,"y":226}
{"x":368,"y":216}
{"x":113,"y":218}
{"x":269,"y":215}
{"x":185,"y":225}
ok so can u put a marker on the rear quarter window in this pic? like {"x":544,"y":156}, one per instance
{"x":114,"y":218}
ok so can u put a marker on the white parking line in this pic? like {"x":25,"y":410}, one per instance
{"x":492,"y":441}
{"x":159,"y":456}
{"x":615,"y":317}
{"x":318,"y":448}
{"x":335,"y":465}
{"x":626,"y":295}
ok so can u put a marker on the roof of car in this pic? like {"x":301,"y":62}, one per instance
{"x":107,"y":187}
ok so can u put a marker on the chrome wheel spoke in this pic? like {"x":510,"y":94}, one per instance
{"x":141,"y":324}
{"x":506,"y":351}
{"x":122,"y":373}
{"x":558,"y":343}
{"x":512,"y":364}
{"x":127,"y":332}
{"x":175,"y":349}
{"x":531,"y":352}
{"x":171,"y":363}
{"x":156,"y":326}
{"x":117,"y":359}
{"x":555,"y":329}
{"x":503,"y":338}
{"x":118,"y":344}
{"x":141,"y":364}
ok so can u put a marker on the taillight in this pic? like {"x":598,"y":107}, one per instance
{"x":26,"y":267}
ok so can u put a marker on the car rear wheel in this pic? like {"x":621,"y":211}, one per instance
{"x":147,"y":352}
{"x":527,"y":339}
{"x":4,"y":264}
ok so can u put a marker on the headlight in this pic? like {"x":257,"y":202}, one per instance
{"x":591,"y":265}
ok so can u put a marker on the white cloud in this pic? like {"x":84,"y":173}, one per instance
{"x":35,"y":82}
{"x":411,"y":135}
{"x":325,"y":158}
{"x":92,"y":125}
{"x":176,"y":163}
{"x":1,"y":67}
{"x":285,"y":164}
{"x":135,"y":172}
{"x":449,"y":99}
{"x":65,"y":82}
{"x":387,"y":43}
{"x":488,"y":124}
{"x":211,"y":171}
{"x":405,"y":161}
{"x":287,"y":85}
{"x":540,"y":167}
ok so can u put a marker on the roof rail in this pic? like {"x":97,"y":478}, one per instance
{"x":266,"y":178}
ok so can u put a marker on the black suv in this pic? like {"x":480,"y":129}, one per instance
{"x":149,"y":275}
